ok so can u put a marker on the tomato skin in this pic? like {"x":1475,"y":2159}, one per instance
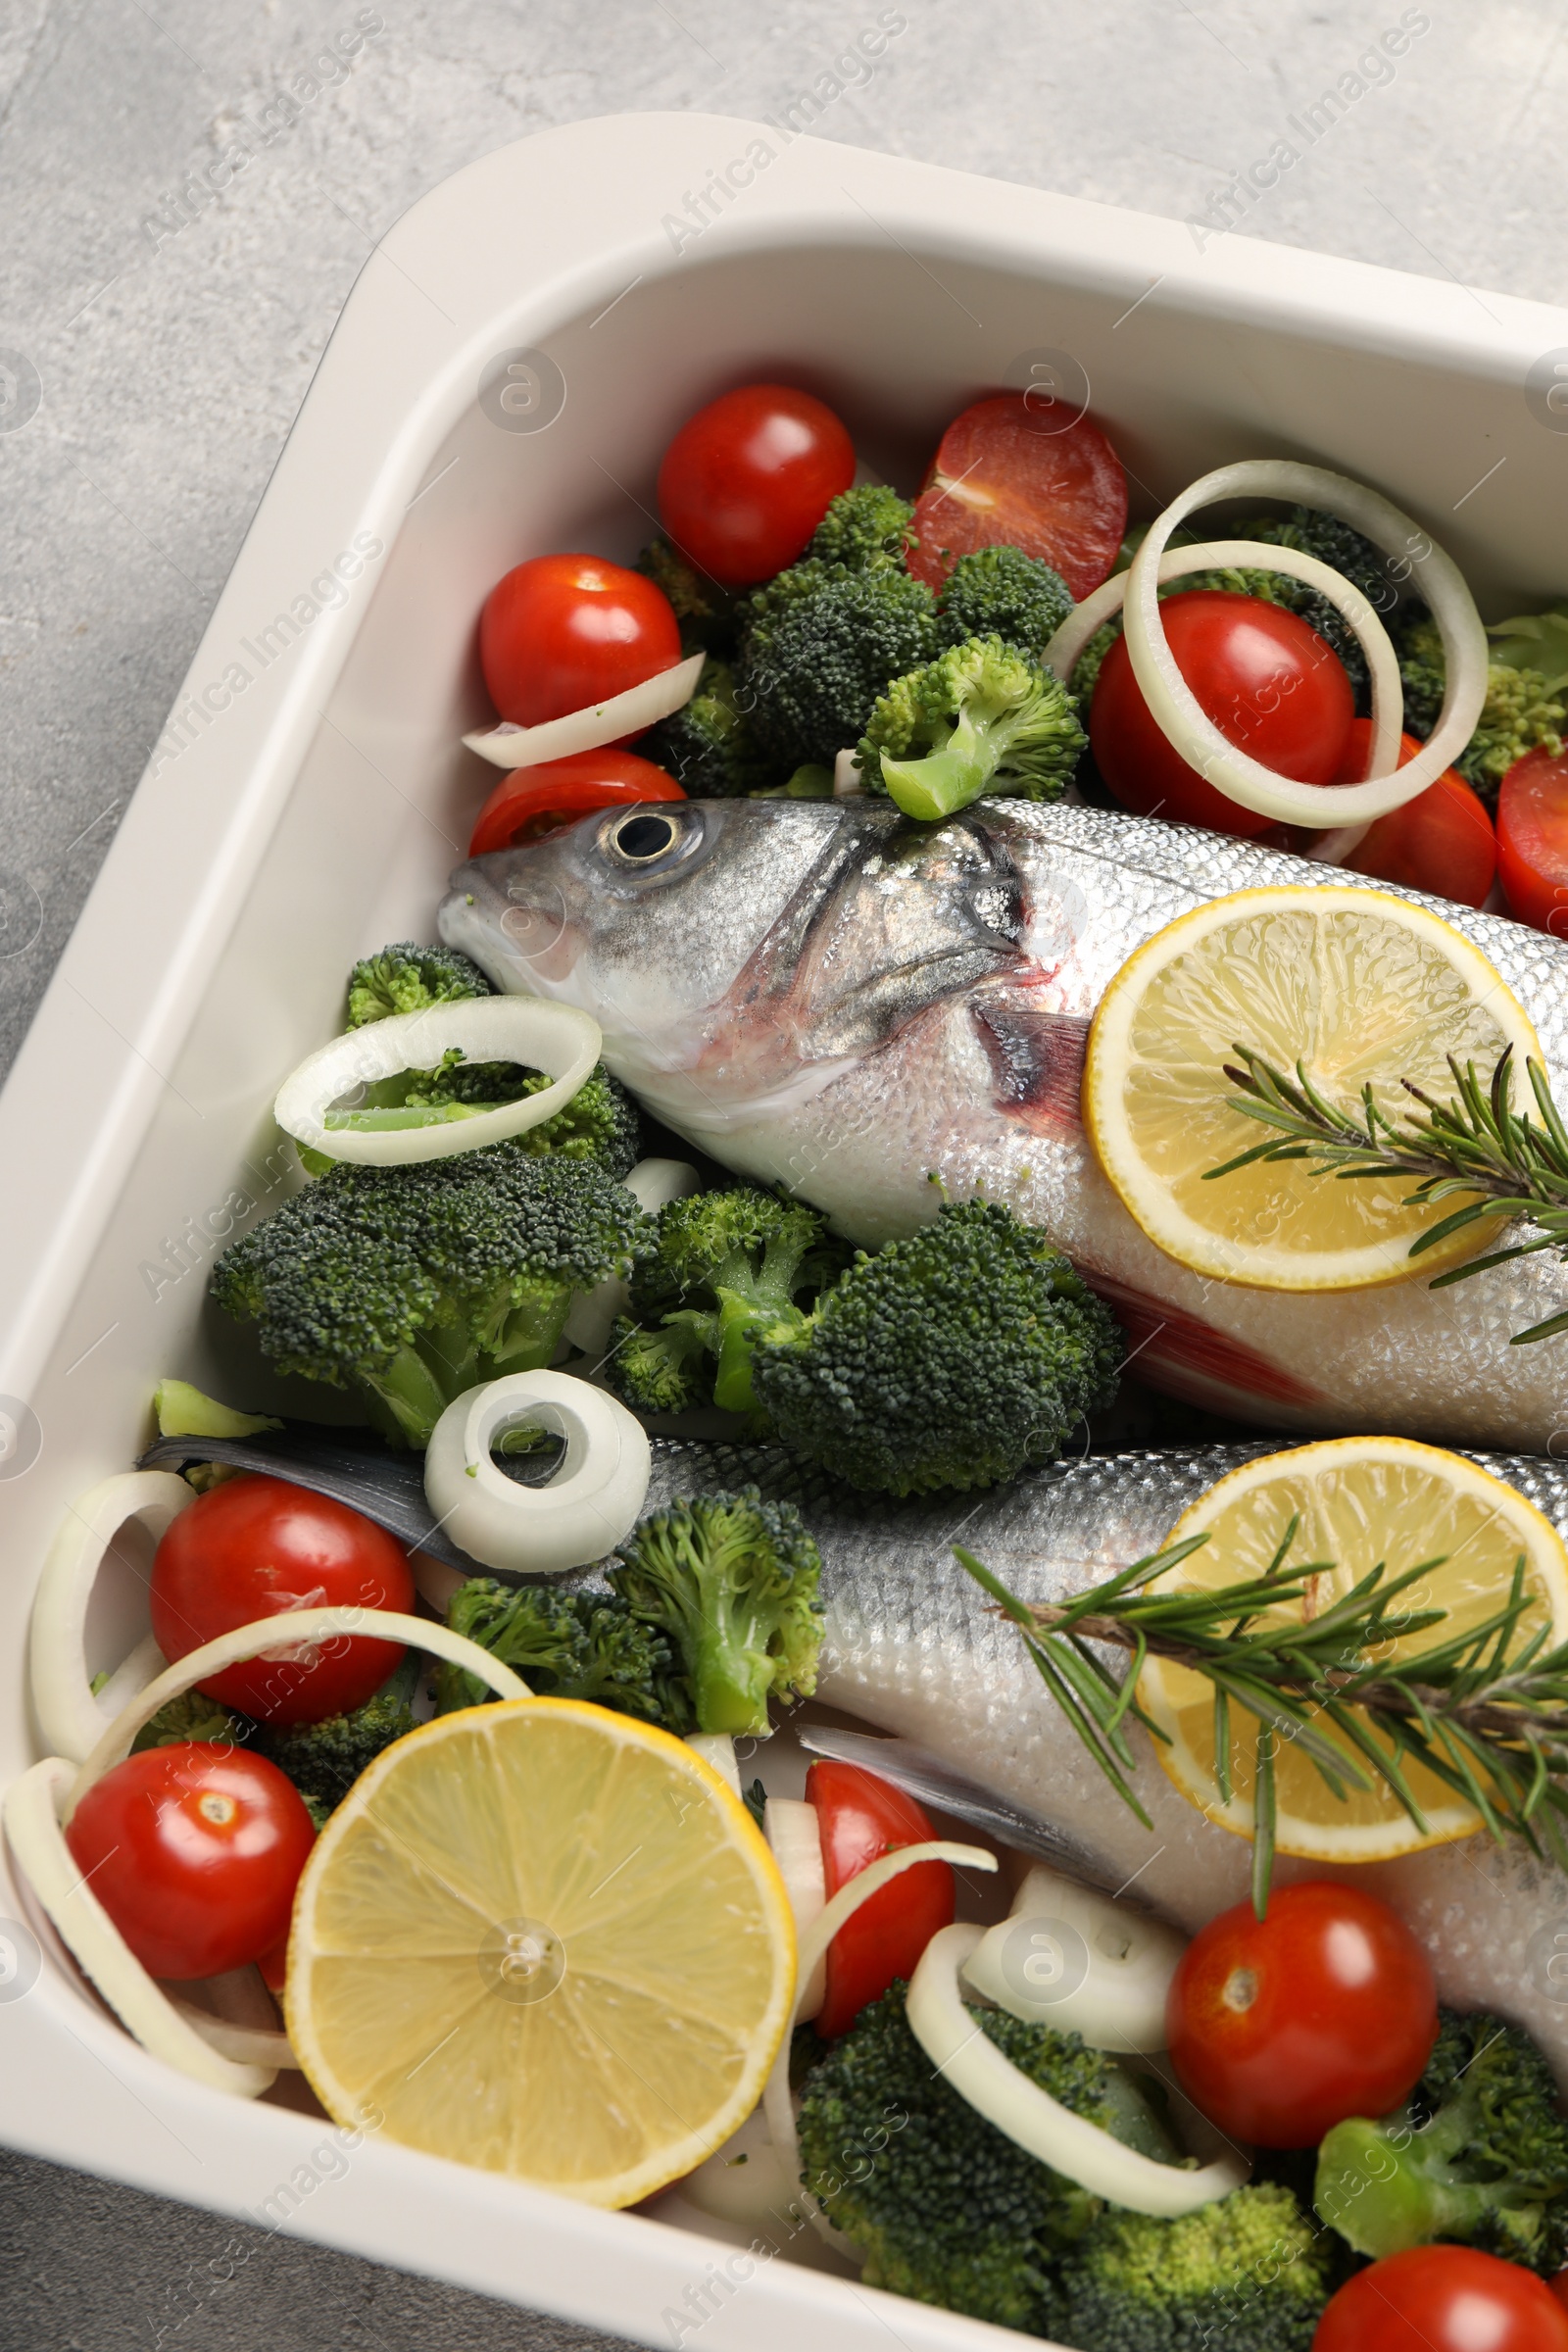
{"x":1281,"y":2027}
{"x":194,"y":1850}
{"x":1269,"y":684}
{"x":1004,"y":474}
{"x":531,"y":802}
{"x":1442,"y":2299}
{"x":255,"y":1547}
{"x":1441,"y":842}
{"x":862,"y":1817}
{"x":746,"y":480}
{"x":1533,"y":841}
{"x":562,"y":631}
{"x":1559,"y":2287}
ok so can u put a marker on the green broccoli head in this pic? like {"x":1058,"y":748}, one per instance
{"x":1480,"y":2155}
{"x":718,"y":1270}
{"x":956,"y":1358}
{"x":408,"y":978}
{"x":324,"y":1760}
{"x":708,"y":745}
{"x":821,"y":643}
{"x":1000,"y":592}
{"x":1248,"y":2270}
{"x":410,"y":1284}
{"x":1518,"y":715}
{"x":588,"y":1645}
{"x":705,"y":611}
{"x":865,"y":529}
{"x":945,"y":2207}
{"x":981,"y":718}
{"x":192,"y":1716}
{"x":731,"y":1582}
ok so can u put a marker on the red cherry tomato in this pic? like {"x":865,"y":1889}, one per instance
{"x":1440,"y":842}
{"x":531,"y":802}
{"x":746,"y":480}
{"x":1268,"y":682}
{"x":860,"y":1818}
{"x":194,"y":1851}
{"x":1004,"y":474}
{"x":255,"y":1547}
{"x":563,"y":631}
{"x":1442,"y":2299}
{"x":1281,"y":2027}
{"x":1559,"y":2287}
{"x":1533,"y":841}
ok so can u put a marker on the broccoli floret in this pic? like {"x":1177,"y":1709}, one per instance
{"x":954,"y":1358}
{"x":565,"y":1645}
{"x":410,"y":1284}
{"x":821,"y":643}
{"x":945,"y":2207}
{"x":716,"y":1268}
{"x":979,"y":718}
{"x":1248,"y":2270}
{"x":732,"y":1583}
{"x":865,"y":529}
{"x":1086,"y":669}
{"x":324,"y":1760}
{"x":192,"y":1716}
{"x":406,"y":978}
{"x":1479,"y":2154}
{"x":1518,"y":715}
{"x":707,"y":745}
{"x":705,"y":611}
{"x":1000,"y":592}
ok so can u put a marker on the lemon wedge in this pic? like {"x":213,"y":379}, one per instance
{"x":1362,"y":989}
{"x":545,"y":1939}
{"x":1359,"y":1501}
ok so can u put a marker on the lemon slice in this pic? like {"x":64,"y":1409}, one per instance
{"x":1362,"y":989}
{"x":1360,"y":1500}
{"x":544,"y":1939}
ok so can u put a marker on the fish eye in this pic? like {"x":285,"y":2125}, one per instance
{"x":641,"y":836}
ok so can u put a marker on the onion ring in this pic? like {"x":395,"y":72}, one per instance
{"x":629,"y":714}
{"x":69,"y":1714}
{"x":590,"y":1505}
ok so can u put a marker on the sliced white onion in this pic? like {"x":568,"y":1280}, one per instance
{"x":743,"y":2180}
{"x":559,"y":1039}
{"x":242,"y":2045}
{"x":793,"y":1831}
{"x":70,"y":1716}
{"x":1199,"y":741}
{"x":591,"y":1505}
{"x":1075,"y":1959}
{"x":718,"y":1751}
{"x":1006,"y":2097}
{"x":777,"y":2104}
{"x":847,"y":782}
{"x":628,"y":713}
{"x":293,"y":1628}
{"x":1220,"y":554}
{"x":654,"y":1183}
{"x":32,"y":1825}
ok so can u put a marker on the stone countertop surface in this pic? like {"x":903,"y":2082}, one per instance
{"x":153,"y":354}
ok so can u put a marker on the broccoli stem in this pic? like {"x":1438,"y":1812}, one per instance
{"x":1385,"y":2191}
{"x":404,"y":1398}
{"x":756,"y":1306}
{"x":936,"y":786}
{"x":531,"y":1332}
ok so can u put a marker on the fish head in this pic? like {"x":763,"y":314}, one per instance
{"x":739,"y":952}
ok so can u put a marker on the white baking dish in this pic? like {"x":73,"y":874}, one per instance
{"x":311,"y":799}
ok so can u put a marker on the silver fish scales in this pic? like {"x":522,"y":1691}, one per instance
{"x":821,"y":995}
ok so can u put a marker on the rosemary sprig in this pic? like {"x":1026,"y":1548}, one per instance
{"x":1475,"y":1145}
{"x":1485,"y":1711}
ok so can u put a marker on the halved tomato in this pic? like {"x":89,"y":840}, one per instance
{"x":531,"y":802}
{"x":1533,"y":841}
{"x":1004,"y":475}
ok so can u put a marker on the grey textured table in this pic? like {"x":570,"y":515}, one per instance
{"x":153,"y":353}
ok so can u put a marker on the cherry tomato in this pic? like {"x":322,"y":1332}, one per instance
{"x":563,"y":631}
{"x":1533,"y":841}
{"x":531,"y":802}
{"x":1440,"y":842}
{"x":1281,"y":2027}
{"x":1269,"y":683}
{"x":746,"y":480}
{"x":194,"y":1851}
{"x":255,"y":1547}
{"x":860,"y":1818}
{"x":1006,"y":475}
{"x":1442,"y":2299}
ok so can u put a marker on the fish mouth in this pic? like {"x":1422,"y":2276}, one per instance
{"x":524,"y":923}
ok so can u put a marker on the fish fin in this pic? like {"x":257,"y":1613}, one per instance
{"x":1037,"y":1058}
{"x":1187,"y":1357}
